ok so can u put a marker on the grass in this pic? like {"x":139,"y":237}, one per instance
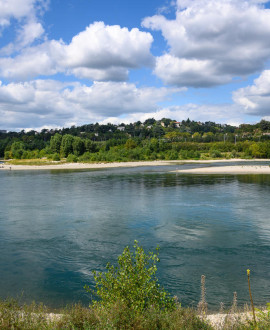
{"x":14,"y":315}
{"x":118,"y":316}
{"x":36,"y":162}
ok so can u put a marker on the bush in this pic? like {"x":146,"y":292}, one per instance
{"x":72,"y":158}
{"x":8,"y":155}
{"x":215,"y":153}
{"x":132,"y":283}
{"x":55,"y":157}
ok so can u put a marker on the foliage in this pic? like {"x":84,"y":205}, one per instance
{"x":72,"y":158}
{"x":78,"y":146}
{"x":16,"y":316}
{"x":153,"y":139}
{"x":264,"y":317}
{"x":55,"y":157}
{"x":132,"y":283}
{"x":55,"y":143}
{"x":66,"y":145}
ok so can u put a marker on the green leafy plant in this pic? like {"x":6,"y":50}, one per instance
{"x":264,"y":316}
{"x":132,"y":282}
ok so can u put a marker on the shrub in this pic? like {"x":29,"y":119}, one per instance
{"x":55,"y":157}
{"x":72,"y":158}
{"x":132,"y":283}
{"x":215,"y":153}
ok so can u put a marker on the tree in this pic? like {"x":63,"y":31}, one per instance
{"x":197,"y":137}
{"x":55,"y":143}
{"x":132,"y":282}
{"x":130,"y":144}
{"x":17,"y":149}
{"x":90,"y":146}
{"x":149,"y":121}
{"x":208,"y":137}
{"x":78,"y":146}
{"x":66,"y":145}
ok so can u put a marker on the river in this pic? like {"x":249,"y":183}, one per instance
{"x":58,"y":226}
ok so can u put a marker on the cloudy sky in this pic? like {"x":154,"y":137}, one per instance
{"x":75,"y":62}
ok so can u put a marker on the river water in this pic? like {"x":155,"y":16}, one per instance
{"x":58,"y":226}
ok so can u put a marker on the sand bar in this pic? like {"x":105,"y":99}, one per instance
{"x":243,"y":169}
{"x":82,"y":166}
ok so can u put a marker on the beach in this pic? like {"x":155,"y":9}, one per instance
{"x":84,"y":166}
{"x":243,"y":169}
{"x":228,"y":169}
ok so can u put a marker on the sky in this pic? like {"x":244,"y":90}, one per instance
{"x":76,"y":62}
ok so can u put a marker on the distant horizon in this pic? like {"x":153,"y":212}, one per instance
{"x":122,"y":61}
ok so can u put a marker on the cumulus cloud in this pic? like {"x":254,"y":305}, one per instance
{"x":189,"y":72}
{"x":15,"y":9}
{"x":28,"y":28}
{"x":101,"y":45}
{"x":213,"y":40}
{"x":255,"y":99}
{"x":49,"y":102}
{"x":31,"y":31}
{"x":32,"y":62}
{"x":100,"y":52}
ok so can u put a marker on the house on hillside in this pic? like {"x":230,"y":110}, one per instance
{"x":120,"y":128}
{"x":177,"y":124}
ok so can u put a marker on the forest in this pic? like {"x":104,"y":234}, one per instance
{"x":151,"y":140}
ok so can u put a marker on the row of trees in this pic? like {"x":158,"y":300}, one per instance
{"x":165,"y":140}
{"x":78,"y":149}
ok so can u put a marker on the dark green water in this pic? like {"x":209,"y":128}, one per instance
{"x":55,"y":227}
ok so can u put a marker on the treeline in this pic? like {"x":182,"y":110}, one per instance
{"x":151,"y":140}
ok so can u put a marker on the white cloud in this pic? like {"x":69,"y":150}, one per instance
{"x":188,"y":72}
{"x":32,"y":62}
{"x":28,"y":28}
{"x":255,"y":99}
{"x":100,"y":52}
{"x":49,"y":102}
{"x":228,"y":37}
{"x":113,"y":73}
{"x":19,"y":9}
{"x":31,"y":31}
{"x":101,"y":45}
{"x":15,"y":9}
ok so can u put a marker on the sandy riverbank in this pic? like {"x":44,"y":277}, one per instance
{"x":78,"y":166}
{"x":208,"y":170}
{"x":243,"y":169}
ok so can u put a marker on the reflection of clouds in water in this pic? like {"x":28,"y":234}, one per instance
{"x":213,"y":238}
{"x":74,"y":222}
{"x":252,"y":205}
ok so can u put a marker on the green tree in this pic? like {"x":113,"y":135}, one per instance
{"x":130,"y":144}
{"x":78,"y":146}
{"x":90,"y":146}
{"x":197,"y":137}
{"x":55,"y":143}
{"x":208,"y":137}
{"x":132,"y":282}
{"x":67,"y":145}
{"x":17,"y":149}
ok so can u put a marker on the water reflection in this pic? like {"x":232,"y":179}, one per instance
{"x":56,"y":227}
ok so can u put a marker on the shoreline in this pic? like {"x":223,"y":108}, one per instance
{"x":239,"y":169}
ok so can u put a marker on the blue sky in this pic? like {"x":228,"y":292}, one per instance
{"x":75,"y":62}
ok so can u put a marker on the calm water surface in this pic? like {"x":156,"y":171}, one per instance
{"x":56,"y":227}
